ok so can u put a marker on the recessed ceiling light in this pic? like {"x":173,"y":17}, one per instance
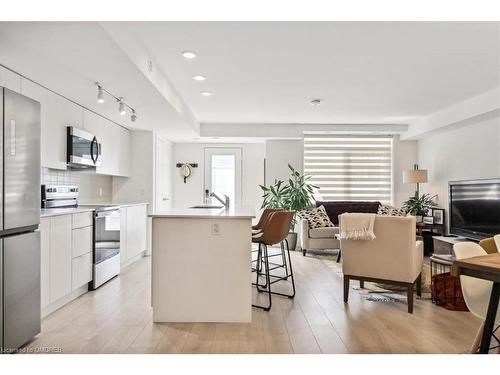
{"x":206,"y":93}
{"x":199,"y":77}
{"x":315,"y":102}
{"x":188,"y":54}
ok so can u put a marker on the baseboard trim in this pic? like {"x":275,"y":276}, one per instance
{"x":56,"y":305}
{"x":132,"y":260}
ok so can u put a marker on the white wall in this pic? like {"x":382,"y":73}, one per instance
{"x":460,"y":153}
{"x":191,"y":193}
{"x":280,"y":153}
{"x":404,"y":156}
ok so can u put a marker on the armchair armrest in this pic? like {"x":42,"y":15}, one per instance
{"x":304,"y":233}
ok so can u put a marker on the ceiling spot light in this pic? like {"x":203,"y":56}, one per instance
{"x":199,"y":77}
{"x":315,"y":102}
{"x":121,"y":107}
{"x":188,"y":54}
{"x":206,"y":93}
{"x":100,"y":94}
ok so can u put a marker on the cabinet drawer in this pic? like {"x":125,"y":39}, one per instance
{"x":82,"y":241}
{"x":82,"y":270}
{"x":83,"y":219}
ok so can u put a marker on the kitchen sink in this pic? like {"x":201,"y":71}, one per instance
{"x":211,"y":207}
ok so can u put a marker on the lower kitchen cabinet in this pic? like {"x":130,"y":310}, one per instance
{"x":66,"y":257}
{"x":60,"y":256}
{"x":133,"y":231}
{"x":45,"y":261}
{"x":81,"y":270}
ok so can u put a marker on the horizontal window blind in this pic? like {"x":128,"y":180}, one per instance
{"x":353,"y":168}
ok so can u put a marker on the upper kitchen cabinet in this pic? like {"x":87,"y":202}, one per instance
{"x":56,"y":114}
{"x":61,"y":113}
{"x":10,"y":80}
{"x":115,"y":143}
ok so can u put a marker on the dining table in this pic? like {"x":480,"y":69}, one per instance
{"x":486,"y":267}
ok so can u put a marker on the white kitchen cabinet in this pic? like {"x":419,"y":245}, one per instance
{"x":81,"y":241}
{"x":10,"y":80}
{"x":115,"y":143}
{"x":61,"y":113}
{"x":83,"y":219}
{"x":134,"y":228}
{"x":45,"y":261}
{"x":123,"y":235}
{"x":60,"y":256}
{"x":124,"y":152}
{"x":81,"y":270}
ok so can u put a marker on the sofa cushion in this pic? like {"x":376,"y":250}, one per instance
{"x":326,"y":232}
{"x":316,"y":217}
{"x":336,"y":208}
{"x":386,"y":210}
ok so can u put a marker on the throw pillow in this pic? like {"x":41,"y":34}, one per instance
{"x":316,"y":217}
{"x":386,"y":210}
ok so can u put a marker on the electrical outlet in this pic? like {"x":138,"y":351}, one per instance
{"x":216,"y":229}
{"x":100,"y":191}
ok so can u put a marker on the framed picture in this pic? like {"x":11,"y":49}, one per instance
{"x":438,"y":215}
{"x":428,"y":220}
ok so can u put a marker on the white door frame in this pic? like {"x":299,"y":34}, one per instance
{"x":238,"y":153}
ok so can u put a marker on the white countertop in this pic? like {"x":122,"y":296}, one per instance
{"x":237,"y":212}
{"x":46,"y":212}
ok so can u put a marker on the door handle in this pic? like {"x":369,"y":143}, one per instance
{"x":94,"y":141}
{"x":13,"y":137}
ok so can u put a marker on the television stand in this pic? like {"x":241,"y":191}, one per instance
{"x":444,"y":244}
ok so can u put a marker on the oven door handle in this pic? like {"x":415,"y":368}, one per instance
{"x":115,"y":213}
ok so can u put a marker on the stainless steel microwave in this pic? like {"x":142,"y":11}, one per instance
{"x":83,"y":149}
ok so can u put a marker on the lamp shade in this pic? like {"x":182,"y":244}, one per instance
{"x":415,"y":176}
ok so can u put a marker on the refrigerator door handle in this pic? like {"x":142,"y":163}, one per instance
{"x":13,"y":137}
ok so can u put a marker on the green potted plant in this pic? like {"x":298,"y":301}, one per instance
{"x":419,"y":205}
{"x":294,"y":195}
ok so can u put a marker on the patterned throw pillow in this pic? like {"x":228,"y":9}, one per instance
{"x":385,"y":210}
{"x":316,"y":217}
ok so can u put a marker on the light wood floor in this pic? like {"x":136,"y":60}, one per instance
{"x":117,"y":318}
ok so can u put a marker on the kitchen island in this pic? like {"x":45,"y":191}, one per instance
{"x":201,"y":265}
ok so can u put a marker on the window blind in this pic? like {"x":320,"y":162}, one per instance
{"x":346,"y":167}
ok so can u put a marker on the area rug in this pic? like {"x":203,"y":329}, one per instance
{"x":375,"y":292}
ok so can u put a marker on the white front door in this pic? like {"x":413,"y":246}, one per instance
{"x":223,"y":173}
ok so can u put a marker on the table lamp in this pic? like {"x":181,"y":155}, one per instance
{"x":415,"y":176}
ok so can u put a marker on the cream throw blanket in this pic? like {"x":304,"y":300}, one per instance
{"x":357,"y":226}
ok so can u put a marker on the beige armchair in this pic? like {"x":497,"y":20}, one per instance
{"x":394,"y":257}
{"x":317,"y":238}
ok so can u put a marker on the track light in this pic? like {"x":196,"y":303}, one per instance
{"x":100,"y":94}
{"x":121,"y":107}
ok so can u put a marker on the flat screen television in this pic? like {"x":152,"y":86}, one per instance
{"x":474,"y":208}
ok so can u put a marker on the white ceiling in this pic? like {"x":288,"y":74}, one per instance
{"x":365,"y":72}
{"x":259,"y":72}
{"x":68,"y":57}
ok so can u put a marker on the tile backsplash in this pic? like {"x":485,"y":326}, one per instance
{"x":94,"y":188}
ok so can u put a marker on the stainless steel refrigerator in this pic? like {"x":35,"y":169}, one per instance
{"x":19,"y":219}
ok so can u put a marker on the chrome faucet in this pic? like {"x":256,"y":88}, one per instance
{"x":225,"y":202}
